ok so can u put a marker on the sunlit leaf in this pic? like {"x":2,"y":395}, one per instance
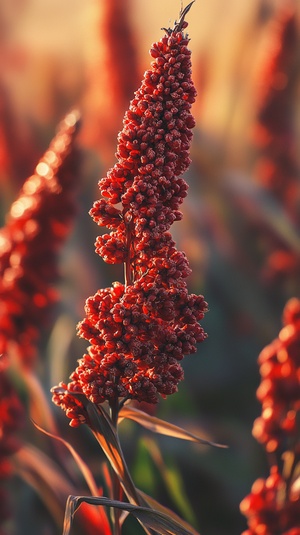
{"x":295,"y":490}
{"x":39,"y":406}
{"x":152,"y":423}
{"x":152,"y":519}
{"x":105,"y":433}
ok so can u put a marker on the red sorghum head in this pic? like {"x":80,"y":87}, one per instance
{"x":274,"y":133}
{"x":37,"y":223}
{"x":279,"y":390}
{"x":139,"y":331}
{"x":273,"y":506}
{"x":277,"y":167}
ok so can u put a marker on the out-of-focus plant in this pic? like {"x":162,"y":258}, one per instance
{"x":277,"y":168}
{"x":114,"y":78}
{"x":37,"y":225}
{"x":274,"y":503}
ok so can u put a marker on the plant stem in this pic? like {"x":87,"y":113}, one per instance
{"x":117,"y":489}
{"x":127,"y":264}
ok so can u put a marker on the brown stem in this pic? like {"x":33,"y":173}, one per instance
{"x":117,"y":491}
{"x":127,"y":264}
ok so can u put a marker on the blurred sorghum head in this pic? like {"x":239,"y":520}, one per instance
{"x":273,"y":506}
{"x":279,"y":390}
{"x":38,"y":222}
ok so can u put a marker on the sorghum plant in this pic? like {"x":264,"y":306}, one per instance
{"x":115,"y":77}
{"x":274,"y":133}
{"x":273,"y":506}
{"x":37,"y":224}
{"x":139,"y":330}
{"x":277,"y":168}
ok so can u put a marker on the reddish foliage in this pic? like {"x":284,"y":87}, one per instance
{"x":114,"y":79}
{"x":274,"y":134}
{"x":38,"y":222}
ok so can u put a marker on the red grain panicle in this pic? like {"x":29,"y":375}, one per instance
{"x":273,"y":506}
{"x":140,"y":331}
{"x":36,"y":226}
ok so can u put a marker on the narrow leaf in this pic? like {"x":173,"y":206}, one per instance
{"x":86,"y":472}
{"x":163,"y":428}
{"x":160,"y":522}
{"x":105,"y":433}
{"x":51,"y":485}
{"x":172,"y":479}
{"x":154,"y":504}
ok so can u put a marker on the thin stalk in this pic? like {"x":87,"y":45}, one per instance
{"x":116,"y":487}
{"x":127,"y":264}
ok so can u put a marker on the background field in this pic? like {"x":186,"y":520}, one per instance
{"x":53,"y":57}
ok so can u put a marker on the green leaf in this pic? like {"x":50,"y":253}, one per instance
{"x":172,"y":479}
{"x":163,"y":428}
{"x":152,"y":519}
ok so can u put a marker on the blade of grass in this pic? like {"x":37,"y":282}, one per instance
{"x":152,"y":519}
{"x":154,"y":504}
{"x":156,"y":425}
{"x":172,"y":479}
{"x":107,"y":437}
{"x":47,"y":479}
{"x":86,"y":472}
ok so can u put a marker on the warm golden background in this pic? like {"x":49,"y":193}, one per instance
{"x":54,"y":55}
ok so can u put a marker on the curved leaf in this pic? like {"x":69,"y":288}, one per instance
{"x":47,"y":479}
{"x":152,"y":423}
{"x":152,"y":519}
{"x":106,"y":435}
{"x":86,"y":472}
{"x":154,"y":504}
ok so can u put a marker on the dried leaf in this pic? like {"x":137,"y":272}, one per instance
{"x":164,"y":428}
{"x":42,"y":474}
{"x":48,"y":480}
{"x":152,"y":519}
{"x":154,"y":504}
{"x":105,"y":433}
{"x":86,"y":472}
